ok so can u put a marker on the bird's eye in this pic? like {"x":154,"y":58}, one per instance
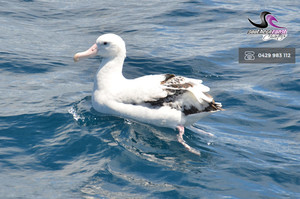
{"x":105,"y":43}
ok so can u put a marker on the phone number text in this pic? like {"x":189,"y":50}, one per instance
{"x":274,"y":55}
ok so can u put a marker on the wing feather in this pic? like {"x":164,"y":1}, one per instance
{"x":185,"y":94}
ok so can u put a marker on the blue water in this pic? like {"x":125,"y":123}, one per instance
{"x":54,"y":145}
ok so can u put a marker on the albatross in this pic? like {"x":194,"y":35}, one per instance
{"x":165,"y":100}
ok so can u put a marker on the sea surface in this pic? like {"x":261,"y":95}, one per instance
{"x":53,"y":144}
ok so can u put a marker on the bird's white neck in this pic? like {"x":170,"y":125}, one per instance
{"x":109,"y":72}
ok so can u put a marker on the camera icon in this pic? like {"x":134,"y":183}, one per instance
{"x":249,"y":55}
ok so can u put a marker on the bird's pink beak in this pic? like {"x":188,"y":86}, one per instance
{"x":91,"y":52}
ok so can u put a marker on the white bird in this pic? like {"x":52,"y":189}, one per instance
{"x":163,"y":100}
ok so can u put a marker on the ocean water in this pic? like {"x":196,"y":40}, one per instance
{"x":54,"y":145}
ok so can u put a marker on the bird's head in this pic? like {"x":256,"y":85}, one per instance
{"x":107,"y":46}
